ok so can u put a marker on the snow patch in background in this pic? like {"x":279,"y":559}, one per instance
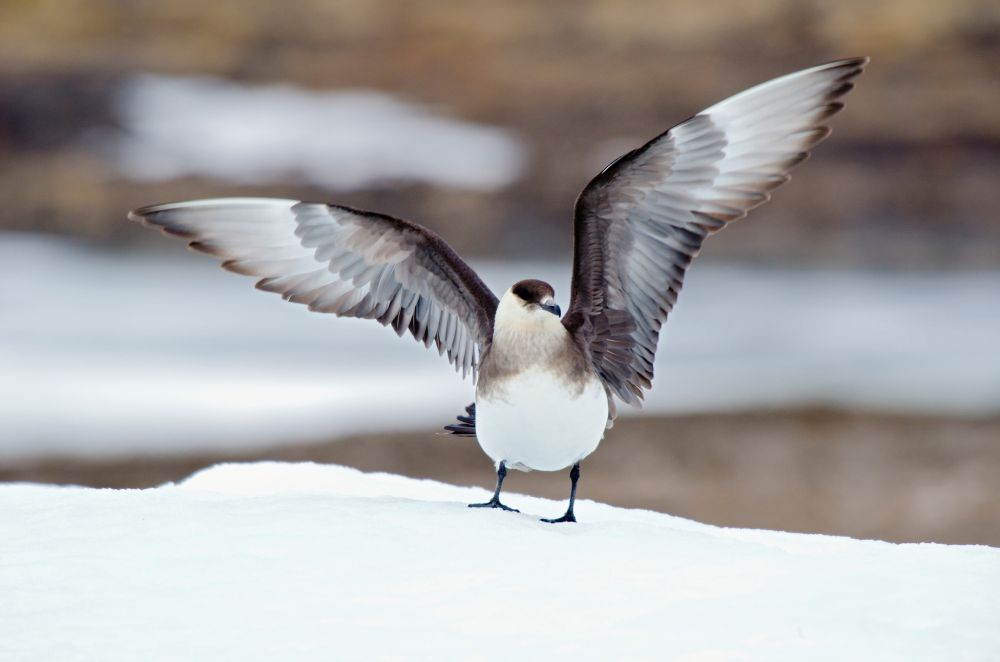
{"x":106,"y":353}
{"x":277,"y":561}
{"x":348,"y":139}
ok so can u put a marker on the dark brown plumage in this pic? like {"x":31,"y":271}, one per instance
{"x":466,"y":426}
{"x":532,"y":290}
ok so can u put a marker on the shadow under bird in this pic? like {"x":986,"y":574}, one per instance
{"x":546,"y":383}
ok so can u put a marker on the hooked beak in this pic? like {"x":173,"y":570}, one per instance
{"x":552,"y":307}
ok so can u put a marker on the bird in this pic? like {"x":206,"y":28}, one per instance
{"x":546,"y":384}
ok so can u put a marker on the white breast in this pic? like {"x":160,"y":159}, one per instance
{"x":537,"y":422}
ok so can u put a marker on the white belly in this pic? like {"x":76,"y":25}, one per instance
{"x":536,"y":423}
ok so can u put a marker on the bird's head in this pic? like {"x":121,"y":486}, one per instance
{"x":534,"y":295}
{"x":528,"y":304}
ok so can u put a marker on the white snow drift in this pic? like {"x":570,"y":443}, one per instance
{"x":307,"y":562}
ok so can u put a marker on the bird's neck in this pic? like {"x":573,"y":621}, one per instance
{"x":527,"y":341}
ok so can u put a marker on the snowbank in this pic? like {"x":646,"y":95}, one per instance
{"x":276,"y":561}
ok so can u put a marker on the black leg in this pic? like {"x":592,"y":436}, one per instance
{"x":574,"y":475}
{"x":495,"y":501}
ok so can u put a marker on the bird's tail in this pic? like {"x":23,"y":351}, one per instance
{"x":466,"y":426}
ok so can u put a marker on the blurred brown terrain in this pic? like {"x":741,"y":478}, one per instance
{"x":908,"y":180}
{"x":904,"y":479}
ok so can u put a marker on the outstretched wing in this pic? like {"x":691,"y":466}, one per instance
{"x":639,"y":223}
{"x":343,"y":261}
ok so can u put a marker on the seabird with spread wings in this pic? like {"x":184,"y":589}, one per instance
{"x":546,"y":384}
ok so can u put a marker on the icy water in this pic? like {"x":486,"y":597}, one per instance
{"x":107,"y":353}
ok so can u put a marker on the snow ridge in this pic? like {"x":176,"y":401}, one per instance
{"x":304,"y":561}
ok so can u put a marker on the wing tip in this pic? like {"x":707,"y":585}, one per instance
{"x":145,"y":216}
{"x":154,"y":217}
{"x":852,"y":66}
{"x":147,"y":213}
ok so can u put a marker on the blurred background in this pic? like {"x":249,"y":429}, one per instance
{"x":832,"y":365}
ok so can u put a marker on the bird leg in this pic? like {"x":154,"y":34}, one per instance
{"x":574,"y":475}
{"x":495,"y":501}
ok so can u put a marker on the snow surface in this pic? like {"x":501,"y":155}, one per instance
{"x":307,"y":562}
{"x":107,"y":353}
{"x":175,"y":126}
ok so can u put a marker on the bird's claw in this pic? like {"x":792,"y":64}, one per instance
{"x":494,"y":503}
{"x":568,"y":517}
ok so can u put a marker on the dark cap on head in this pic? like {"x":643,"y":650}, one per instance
{"x":532,"y":290}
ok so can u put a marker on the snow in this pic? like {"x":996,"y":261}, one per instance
{"x":176,"y":126}
{"x":301,"y":561}
{"x":110,"y":353}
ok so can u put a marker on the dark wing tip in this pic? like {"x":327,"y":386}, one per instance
{"x":149,"y":214}
{"x":157,"y":216}
{"x":852,"y":66}
{"x":143,"y":216}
